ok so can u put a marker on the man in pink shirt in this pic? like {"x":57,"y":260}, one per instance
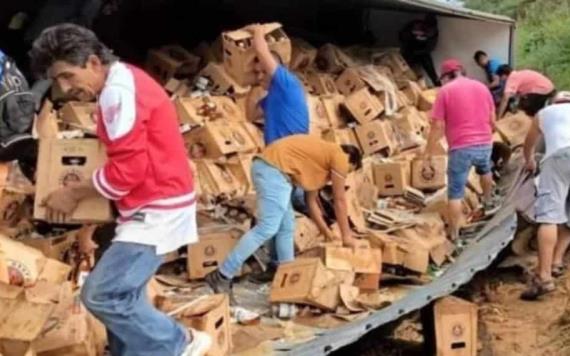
{"x":465,"y":112}
{"x":534,"y":89}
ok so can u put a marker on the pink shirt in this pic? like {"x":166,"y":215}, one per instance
{"x":526,"y":82}
{"x":466,"y":106}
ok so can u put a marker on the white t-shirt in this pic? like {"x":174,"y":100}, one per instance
{"x":554,"y":122}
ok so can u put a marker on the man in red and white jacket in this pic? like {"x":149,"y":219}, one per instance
{"x":147,"y":175}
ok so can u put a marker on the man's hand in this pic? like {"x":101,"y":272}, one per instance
{"x":60,"y":204}
{"x":531,"y":165}
{"x":85,"y":239}
{"x":349,"y":241}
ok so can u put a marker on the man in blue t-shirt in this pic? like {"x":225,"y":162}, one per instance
{"x":491,"y":66}
{"x":285,"y":106}
{"x":285,"y":113}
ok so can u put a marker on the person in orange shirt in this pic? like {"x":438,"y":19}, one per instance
{"x":302,"y":160}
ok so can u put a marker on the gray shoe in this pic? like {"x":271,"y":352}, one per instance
{"x":220,"y":285}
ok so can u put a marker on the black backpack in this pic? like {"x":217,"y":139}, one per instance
{"x":17,"y":102}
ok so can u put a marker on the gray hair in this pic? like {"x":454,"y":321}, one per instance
{"x":69,"y":43}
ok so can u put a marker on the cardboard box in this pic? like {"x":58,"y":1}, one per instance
{"x":376,"y":137}
{"x":455,"y":327}
{"x":255,"y":134}
{"x":240,"y":56}
{"x":197,"y":111}
{"x":410,"y":128}
{"x":397,"y":64}
{"x":80,"y":115}
{"x":427,"y":99}
{"x":341,"y":137}
{"x":54,"y":272}
{"x":392,"y":178}
{"x":307,"y":234}
{"x":306,"y":281}
{"x":13,"y":208}
{"x":220,"y":82}
{"x":430,"y":179}
{"x":303,"y":55}
{"x":332,"y":59}
{"x":332,"y":105}
{"x":240,"y":166}
{"x":363,"y":106}
{"x":219,"y":138}
{"x":54,"y":247}
{"x":216,"y":179}
{"x":361,"y":259}
{"x":21,"y":321}
{"x":211,"y":314}
{"x":367,"y":282}
{"x":514,"y":128}
{"x":63,"y":161}
{"x":210,"y":251}
{"x":355,"y":213}
{"x":412,"y":92}
{"x":320,"y":83}
{"x":318,"y":116}
{"x":24,"y":263}
{"x":349,"y":81}
{"x":170,"y":61}
{"x":177,"y":88}
{"x":71,"y":330}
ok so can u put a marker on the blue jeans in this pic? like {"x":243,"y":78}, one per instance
{"x":115,"y":292}
{"x":276,"y":219}
{"x":460,"y":162}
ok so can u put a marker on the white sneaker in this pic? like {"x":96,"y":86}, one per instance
{"x":201,"y":343}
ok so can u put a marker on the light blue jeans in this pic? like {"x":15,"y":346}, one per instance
{"x":115,"y":292}
{"x":276,"y":219}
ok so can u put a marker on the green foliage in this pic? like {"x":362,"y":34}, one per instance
{"x":542,"y":35}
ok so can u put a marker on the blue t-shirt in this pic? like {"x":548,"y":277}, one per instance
{"x":285,"y":107}
{"x":493,"y":66}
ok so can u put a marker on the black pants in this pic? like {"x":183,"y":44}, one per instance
{"x":426,"y":62}
{"x":532,"y":103}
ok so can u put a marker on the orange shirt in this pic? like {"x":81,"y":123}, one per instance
{"x":307,"y":159}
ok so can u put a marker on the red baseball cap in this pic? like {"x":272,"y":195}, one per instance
{"x":450,"y":66}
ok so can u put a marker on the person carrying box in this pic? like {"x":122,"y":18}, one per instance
{"x":146,"y":174}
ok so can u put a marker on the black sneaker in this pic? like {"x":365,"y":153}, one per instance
{"x":265,"y":276}
{"x":220,"y":284}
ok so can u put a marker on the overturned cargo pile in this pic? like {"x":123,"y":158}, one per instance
{"x":366,"y":97}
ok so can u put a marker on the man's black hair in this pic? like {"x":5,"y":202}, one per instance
{"x":505,"y":69}
{"x":354,"y":155}
{"x":69,"y":43}
{"x":478,"y":55}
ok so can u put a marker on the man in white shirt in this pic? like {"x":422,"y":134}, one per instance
{"x":553,"y":123}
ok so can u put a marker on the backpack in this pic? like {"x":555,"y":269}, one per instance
{"x":17,"y":102}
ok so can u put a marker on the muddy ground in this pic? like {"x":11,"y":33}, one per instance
{"x":508,"y":326}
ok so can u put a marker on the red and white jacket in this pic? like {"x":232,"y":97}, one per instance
{"x":147,"y":165}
